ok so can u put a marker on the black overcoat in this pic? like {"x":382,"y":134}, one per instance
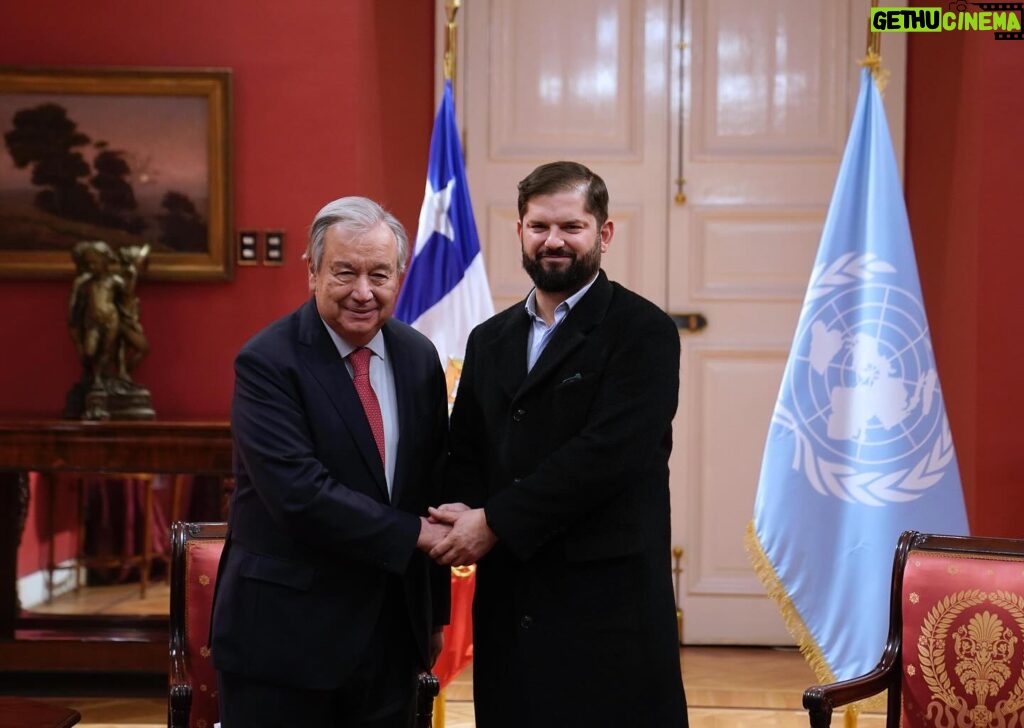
{"x":574,"y":614}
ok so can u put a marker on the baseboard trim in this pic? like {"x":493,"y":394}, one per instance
{"x":32,"y":588}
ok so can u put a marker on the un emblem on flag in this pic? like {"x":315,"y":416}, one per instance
{"x":863,"y":393}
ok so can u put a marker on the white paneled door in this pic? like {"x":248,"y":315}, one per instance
{"x":749,"y":103}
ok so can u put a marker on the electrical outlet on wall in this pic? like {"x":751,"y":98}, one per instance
{"x":273,"y":247}
{"x":247,"y":247}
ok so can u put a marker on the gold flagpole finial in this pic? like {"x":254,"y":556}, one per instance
{"x":451,"y":8}
{"x":872,"y":59}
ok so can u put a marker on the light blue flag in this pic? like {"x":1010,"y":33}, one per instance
{"x":859,"y":448}
{"x":445,"y":293}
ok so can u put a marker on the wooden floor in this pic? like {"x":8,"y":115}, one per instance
{"x":726,"y":687}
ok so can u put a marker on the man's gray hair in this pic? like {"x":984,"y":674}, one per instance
{"x":358,"y":216}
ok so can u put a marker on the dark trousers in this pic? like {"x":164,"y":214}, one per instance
{"x":380,"y":693}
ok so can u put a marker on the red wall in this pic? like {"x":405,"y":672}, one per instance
{"x":335,"y":98}
{"x":965,"y":195}
{"x":330,"y":99}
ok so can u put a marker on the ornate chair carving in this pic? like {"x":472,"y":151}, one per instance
{"x":192,"y":695}
{"x":954,"y":654}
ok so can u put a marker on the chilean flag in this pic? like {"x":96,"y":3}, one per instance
{"x":445,"y":293}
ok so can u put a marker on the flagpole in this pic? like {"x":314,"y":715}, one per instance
{"x":873,"y":62}
{"x":873,"y":54}
{"x":451,"y":47}
{"x":451,"y":7}
{"x":874,"y":40}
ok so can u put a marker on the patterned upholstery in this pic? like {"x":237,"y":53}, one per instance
{"x":954,"y":655}
{"x":963,"y":637}
{"x":192,"y":694}
{"x":195,"y":555}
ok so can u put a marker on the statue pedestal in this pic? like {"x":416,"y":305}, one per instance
{"x":120,"y":400}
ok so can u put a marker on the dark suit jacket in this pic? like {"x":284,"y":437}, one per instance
{"x":571,"y":465}
{"x":313,"y":539}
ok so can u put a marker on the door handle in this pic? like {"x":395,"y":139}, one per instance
{"x":689,"y":322}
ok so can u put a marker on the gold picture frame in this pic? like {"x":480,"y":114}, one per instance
{"x":130,"y":156}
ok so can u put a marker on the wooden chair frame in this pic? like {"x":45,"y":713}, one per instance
{"x":179,"y":701}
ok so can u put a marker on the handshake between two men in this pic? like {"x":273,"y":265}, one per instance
{"x":455,"y":534}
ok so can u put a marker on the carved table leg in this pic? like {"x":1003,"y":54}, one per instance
{"x":13,"y":511}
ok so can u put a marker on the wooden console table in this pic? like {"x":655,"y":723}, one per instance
{"x":33,"y":643}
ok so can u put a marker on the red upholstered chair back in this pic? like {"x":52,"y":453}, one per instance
{"x":954,"y":654}
{"x":195,"y":555}
{"x":192,"y":694}
{"x":963,"y":639}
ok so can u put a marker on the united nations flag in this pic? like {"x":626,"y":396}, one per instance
{"x":859,"y":448}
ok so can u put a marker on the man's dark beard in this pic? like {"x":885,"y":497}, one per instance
{"x":563,"y":280}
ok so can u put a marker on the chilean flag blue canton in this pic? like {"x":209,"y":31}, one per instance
{"x":859,"y":448}
{"x":445,"y":293}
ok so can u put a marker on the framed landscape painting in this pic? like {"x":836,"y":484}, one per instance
{"x":130,"y":156}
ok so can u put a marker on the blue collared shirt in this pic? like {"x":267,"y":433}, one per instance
{"x":540,"y":332}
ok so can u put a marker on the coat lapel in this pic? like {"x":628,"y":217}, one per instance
{"x":510,"y":369}
{"x":571,"y":333}
{"x":329,"y":370}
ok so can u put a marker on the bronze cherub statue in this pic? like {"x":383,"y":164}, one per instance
{"x":103,"y":320}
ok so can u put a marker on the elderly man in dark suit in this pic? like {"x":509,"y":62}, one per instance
{"x":560,"y":438}
{"x":327,"y":606}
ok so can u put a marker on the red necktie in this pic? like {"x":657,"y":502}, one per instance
{"x":360,"y":359}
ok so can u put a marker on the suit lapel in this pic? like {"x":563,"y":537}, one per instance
{"x":327,"y":367}
{"x":571,"y":333}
